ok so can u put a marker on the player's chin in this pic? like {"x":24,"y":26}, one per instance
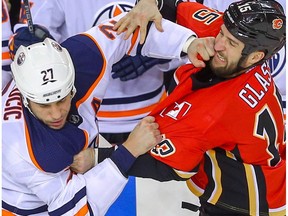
{"x":216,"y":62}
{"x":218,"y":69}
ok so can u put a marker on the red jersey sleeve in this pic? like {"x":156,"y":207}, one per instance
{"x":202,"y":20}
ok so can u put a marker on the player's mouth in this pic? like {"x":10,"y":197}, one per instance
{"x":57,"y":124}
{"x":220,"y":58}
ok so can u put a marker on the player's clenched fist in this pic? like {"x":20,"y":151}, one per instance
{"x":144,"y":137}
{"x":200,"y":50}
{"x":83,"y":161}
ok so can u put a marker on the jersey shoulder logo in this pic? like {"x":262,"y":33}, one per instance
{"x":111,"y":10}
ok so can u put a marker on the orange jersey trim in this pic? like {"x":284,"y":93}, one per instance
{"x":133,"y":40}
{"x":29,"y":146}
{"x":126,"y":113}
{"x":88,"y":93}
{"x":5,"y":56}
{"x":7,"y":213}
{"x":83,"y":211}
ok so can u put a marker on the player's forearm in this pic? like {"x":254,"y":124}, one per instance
{"x":123,"y":159}
{"x":168,"y":44}
{"x":146,"y":166}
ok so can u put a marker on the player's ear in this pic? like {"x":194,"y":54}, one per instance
{"x":73,"y":92}
{"x":255,"y":57}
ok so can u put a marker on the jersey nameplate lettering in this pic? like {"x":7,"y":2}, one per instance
{"x":253,"y":94}
{"x":13,"y":106}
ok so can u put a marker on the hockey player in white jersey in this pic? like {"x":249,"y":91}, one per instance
{"x":39,"y":145}
{"x":93,"y":54}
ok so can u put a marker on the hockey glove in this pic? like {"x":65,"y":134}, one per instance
{"x":131,"y":67}
{"x":25,"y":38}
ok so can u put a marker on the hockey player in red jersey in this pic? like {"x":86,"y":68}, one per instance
{"x":224,"y":122}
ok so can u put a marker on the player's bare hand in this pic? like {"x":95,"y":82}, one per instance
{"x":144,"y":137}
{"x":139,"y":16}
{"x":200,"y":50}
{"x":83,"y":161}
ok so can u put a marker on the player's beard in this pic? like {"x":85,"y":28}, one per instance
{"x":226,"y":71}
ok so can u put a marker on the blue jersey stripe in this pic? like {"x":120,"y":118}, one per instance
{"x":71,"y":204}
{"x":24,"y":211}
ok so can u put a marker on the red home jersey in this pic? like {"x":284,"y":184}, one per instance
{"x":235,"y":125}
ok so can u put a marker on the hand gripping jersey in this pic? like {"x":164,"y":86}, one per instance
{"x":36,"y":158}
{"x":233,"y":129}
